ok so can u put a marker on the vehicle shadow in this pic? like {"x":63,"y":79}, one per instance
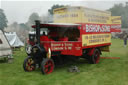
{"x":80,"y":62}
{"x":69,"y":63}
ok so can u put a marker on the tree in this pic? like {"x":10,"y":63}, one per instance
{"x":33,"y":17}
{"x":117,"y":10}
{"x":24,"y":26}
{"x":121,"y":10}
{"x":31,"y":21}
{"x":3,"y":20}
{"x":14,"y":25}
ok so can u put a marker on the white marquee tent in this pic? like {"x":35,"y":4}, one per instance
{"x":5,"y":49}
{"x":14,"y":39}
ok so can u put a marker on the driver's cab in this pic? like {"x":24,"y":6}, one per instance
{"x":58,"y":33}
{"x":58,"y":37}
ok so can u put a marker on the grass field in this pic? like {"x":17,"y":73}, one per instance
{"x":107,"y":72}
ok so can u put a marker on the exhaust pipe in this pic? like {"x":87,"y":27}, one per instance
{"x":37,"y":22}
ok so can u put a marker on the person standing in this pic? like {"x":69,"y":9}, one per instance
{"x":125,"y":39}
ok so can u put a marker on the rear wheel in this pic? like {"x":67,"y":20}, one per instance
{"x":29,"y":64}
{"x":94,"y":59}
{"x":47,"y":66}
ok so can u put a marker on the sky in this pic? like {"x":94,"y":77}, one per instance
{"x":19,"y":10}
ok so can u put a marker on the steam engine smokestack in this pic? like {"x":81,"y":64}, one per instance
{"x":37,"y":22}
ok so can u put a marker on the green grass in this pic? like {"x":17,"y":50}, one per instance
{"x":107,"y":72}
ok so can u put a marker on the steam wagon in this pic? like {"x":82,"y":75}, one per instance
{"x":59,"y":39}
{"x":79,"y":32}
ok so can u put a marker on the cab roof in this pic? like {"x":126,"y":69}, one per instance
{"x":57,"y":25}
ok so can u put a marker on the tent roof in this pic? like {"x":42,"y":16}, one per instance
{"x":14,"y":39}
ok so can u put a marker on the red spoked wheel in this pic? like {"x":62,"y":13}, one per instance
{"x":47,"y":66}
{"x":29,"y":64}
{"x":95,"y":57}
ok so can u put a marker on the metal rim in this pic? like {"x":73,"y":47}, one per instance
{"x":47,"y":66}
{"x":97,"y":56}
{"x":29,"y":65}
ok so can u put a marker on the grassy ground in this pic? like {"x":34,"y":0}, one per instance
{"x":107,"y":72}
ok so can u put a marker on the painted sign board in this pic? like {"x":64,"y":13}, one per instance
{"x":79,"y":14}
{"x":94,"y":39}
{"x":116,"y":24}
{"x":95,"y":34}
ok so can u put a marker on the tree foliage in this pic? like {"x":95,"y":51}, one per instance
{"x":31,"y":21}
{"x":24,"y":26}
{"x":121,"y":10}
{"x":3,"y":20}
{"x":33,"y":17}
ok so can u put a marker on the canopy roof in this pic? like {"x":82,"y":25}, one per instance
{"x":57,"y":25}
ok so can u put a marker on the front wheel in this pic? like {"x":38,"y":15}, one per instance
{"x":47,"y":66}
{"x":29,"y":64}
